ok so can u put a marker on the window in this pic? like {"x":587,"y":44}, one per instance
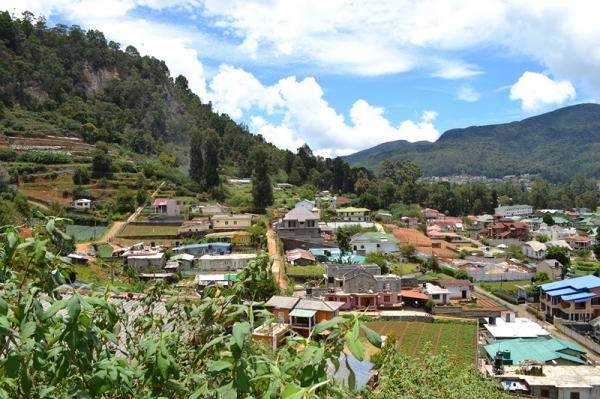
{"x":386,"y":286}
{"x":226,"y":222}
{"x":387,"y":298}
{"x":574,"y":395}
{"x":235,"y":222}
{"x":435,"y":296}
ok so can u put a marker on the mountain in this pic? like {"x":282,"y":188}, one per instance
{"x":389,"y":146}
{"x":555,"y":145}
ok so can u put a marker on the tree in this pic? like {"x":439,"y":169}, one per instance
{"x":379,"y":259}
{"x":196,"y":159}
{"x":102,"y":161}
{"x":343,"y":240}
{"x":543,"y":238}
{"x":596,"y":251}
{"x":560,"y":254}
{"x":262,"y":189}
{"x":463,"y":275}
{"x":4,"y":178}
{"x":548,"y":219}
{"x":212,"y":147}
{"x":124,"y":201}
{"x":408,"y":251}
{"x":81,"y":176}
{"x":433,"y":264}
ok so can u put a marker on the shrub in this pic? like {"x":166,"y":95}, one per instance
{"x":429,"y":305}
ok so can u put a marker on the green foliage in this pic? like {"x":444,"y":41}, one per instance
{"x":548,"y":219}
{"x":81,"y":175}
{"x":436,"y":376}
{"x":262,"y":189}
{"x":343,"y":240}
{"x":380,"y":259}
{"x":463,"y":275}
{"x":560,"y":254}
{"x":124,"y":200}
{"x":429,"y":305}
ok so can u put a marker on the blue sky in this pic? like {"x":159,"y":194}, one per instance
{"x":343,"y":76}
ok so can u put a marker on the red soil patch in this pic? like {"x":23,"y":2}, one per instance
{"x":420,"y":240}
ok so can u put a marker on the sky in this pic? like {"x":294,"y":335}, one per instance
{"x":344,"y":76}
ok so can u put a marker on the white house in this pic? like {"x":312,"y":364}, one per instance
{"x":459,"y":289}
{"x":514,"y":210}
{"x":224,"y":262}
{"x":306,"y":204}
{"x":363,"y":243}
{"x":436,"y":294}
{"x":81,"y":203}
{"x":145,"y":260}
{"x":538,"y":250}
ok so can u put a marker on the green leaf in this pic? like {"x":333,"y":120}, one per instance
{"x":355,"y":331}
{"x":50,"y":226}
{"x":26,"y":384}
{"x":239,"y":333}
{"x":351,"y":375}
{"x":12,"y":240}
{"x":293,"y":392}
{"x":219,"y":365}
{"x":13,"y":365}
{"x":163,"y":365}
{"x":56,"y":306}
{"x":327,"y":324}
{"x":373,"y":337}
{"x":355,"y":346}
{"x":74,"y":307}
{"x":228,"y":391}
{"x":241,"y":379}
{"x":170,"y":302}
{"x":28,"y":329}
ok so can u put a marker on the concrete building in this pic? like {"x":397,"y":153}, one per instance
{"x":436,"y":293}
{"x":231,"y":221}
{"x":204,"y":248}
{"x":146,"y":260}
{"x":224,"y":262}
{"x":459,"y":289}
{"x":514,"y":210}
{"x":363,"y":243}
{"x":352,"y":214}
{"x":82,"y":203}
{"x":508,"y":326}
{"x":552,"y":267}
{"x":168,"y":206}
{"x":576,"y":299}
{"x":299,"y":223}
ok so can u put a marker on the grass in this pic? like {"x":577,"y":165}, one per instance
{"x":435,"y":276}
{"x":317,"y":270}
{"x":507,"y":286}
{"x":105,"y":250}
{"x":87,"y":274}
{"x":149,"y":231}
{"x":401,"y":269}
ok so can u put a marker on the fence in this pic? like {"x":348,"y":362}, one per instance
{"x":578,"y":337}
{"x":480,"y":275}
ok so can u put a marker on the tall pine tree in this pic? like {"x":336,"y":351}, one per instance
{"x":196,"y":160}
{"x":212,"y":147}
{"x":262,"y":189}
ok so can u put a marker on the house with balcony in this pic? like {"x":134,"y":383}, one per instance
{"x":507,"y":229}
{"x":580,"y":243}
{"x":576,"y":299}
{"x":302,"y":315}
{"x":363,"y":243}
{"x":362,"y":287}
{"x":299,"y":223}
{"x":352,"y":214}
{"x":231,"y":221}
{"x":168,"y":206}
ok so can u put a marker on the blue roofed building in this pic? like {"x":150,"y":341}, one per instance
{"x":576,"y":299}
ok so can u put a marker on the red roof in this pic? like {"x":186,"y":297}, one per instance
{"x":413,"y":295}
{"x":160,"y":202}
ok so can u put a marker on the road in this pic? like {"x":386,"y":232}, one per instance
{"x":277,"y":258}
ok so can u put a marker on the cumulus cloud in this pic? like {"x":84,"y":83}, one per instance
{"x":468,"y":94}
{"x":537,"y":91}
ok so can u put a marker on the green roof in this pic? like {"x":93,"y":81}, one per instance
{"x":559,"y":220}
{"x":303,"y":313}
{"x":541,"y":349}
{"x":375,"y":236}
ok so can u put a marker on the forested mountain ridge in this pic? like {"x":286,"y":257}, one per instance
{"x":556,"y":145}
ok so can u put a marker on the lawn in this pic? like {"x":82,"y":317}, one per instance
{"x":435,"y":276}
{"x":317,"y":270}
{"x":157,"y":230}
{"x":506,"y":286}
{"x":459,"y":339}
{"x":105,"y":250}
{"x":402,"y":269}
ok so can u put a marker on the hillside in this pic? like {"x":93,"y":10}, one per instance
{"x":555,"y":145}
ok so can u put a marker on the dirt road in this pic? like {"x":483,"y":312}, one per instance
{"x":277,"y":258}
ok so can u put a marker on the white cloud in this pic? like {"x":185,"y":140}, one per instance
{"x":536,"y":91}
{"x":468,"y":94}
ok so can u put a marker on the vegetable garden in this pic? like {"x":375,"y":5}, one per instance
{"x":459,"y":339}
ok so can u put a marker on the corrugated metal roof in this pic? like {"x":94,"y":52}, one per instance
{"x":303,"y":313}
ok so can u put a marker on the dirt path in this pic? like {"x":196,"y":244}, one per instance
{"x":277,"y":258}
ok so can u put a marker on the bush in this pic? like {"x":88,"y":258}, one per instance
{"x":505,"y":297}
{"x":429,"y":305}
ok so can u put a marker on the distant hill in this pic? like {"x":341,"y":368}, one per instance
{"x":555,"y":145}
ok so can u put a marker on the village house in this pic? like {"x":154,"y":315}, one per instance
{"x":514,"y":210}
{"x":429,"y":214}
{"x":203,"y":248}
{"x":553,"y":351}
{"x":458,"y":289}
{"x":231,"y":221}
{"x":352,"y":214}
{"x":552,"y":267}
{"x":507,"y":229}
{"x":211,"y":208}
{"x":196,"y":225}
{"x":225,"y":262}
{"x":411,"y":223}
{"x":362,"y":286}
{"x":234,"y":237}
{"x":146,"y":260}
{"x":82,"y":203}
{"x":579,"y":243}
{"x":364,"y":243}
{"x":298,"y":223}
{"x":299,"y":257}
{"x":508,"y":326}
{"x":538,"y":250}
{"x":168,"y":206}
{"x":576,"y":299}
{"x":436,"y":293}
{"x":329,"y":199}
{"x":184,"y":261}
{"x":306,"y":204}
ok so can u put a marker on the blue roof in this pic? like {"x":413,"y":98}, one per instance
{"x":205,"y":245}
{"x":580,"y":297}
{"x":579,"y":283}
{"x":563,"y":291}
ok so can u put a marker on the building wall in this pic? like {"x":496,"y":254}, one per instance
{"x":554,"y":273}
{"x":231,"y":222}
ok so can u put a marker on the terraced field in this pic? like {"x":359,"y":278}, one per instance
{"x":459,"y":339}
